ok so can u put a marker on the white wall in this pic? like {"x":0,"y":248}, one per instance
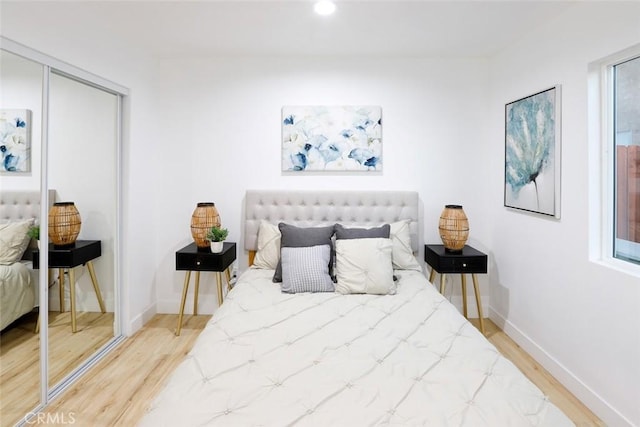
{"x":21,"y":88}
{"x":580,"y":318}
{"x":221,"y":135}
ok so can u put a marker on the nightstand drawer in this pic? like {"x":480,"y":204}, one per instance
{"x":463,"y":265}
{"x":70,"y":256}
{"x":193,"y":259}
{"x":469,"y":261}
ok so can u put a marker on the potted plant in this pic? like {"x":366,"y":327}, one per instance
{"x":216,"y":236}
{"x":34,"y":233}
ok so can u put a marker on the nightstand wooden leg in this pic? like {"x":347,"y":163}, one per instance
{"x":464,"y":295}
{"x":432,"y":275}
{"x":96,"y":287}
{"x":442,"y":283}
{"x":72,"y":292}
{"x":476,"y":289}
{"x":195,"y":297}
{"x":219,"y":280}
{"x":228,"y":275}
{"x":61,"y":288}
{"x":185,"y":288}
{"x":227,"y":272}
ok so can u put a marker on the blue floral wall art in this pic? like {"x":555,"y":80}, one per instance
{"x":340,"y":138}
{"x":15,"y":144}
{"x":532,"y":153}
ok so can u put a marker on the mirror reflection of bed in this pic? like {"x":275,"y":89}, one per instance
{"x":19,"y":307}
{"x":19,"y":301}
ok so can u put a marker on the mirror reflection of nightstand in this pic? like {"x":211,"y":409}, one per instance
{"x":468,"y":261}
{"x":82,"y":252}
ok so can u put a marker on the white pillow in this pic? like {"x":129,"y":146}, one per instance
{"x":268,"y":252}
{"x":14,"y":240}
{"x":363,"y":266}
{"x":403,"y":258}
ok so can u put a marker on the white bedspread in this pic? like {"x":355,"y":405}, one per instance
{"x":17,"y":296}
{"x":273,"y":359}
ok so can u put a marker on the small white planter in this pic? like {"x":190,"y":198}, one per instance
{"x":216,"y":247}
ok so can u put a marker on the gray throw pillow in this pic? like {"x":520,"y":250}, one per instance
{"x":300,"y":237}
{"x":306,"y":269}
{"x":363,"y":233}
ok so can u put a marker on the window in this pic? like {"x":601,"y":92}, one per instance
{"x":626,"y":157}
{"x":614,"y":160}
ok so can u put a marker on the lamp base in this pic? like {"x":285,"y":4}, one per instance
{"x":453,"y":251}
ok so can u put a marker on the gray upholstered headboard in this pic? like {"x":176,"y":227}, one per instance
{"x":316,"y":208}
{"x":18,"y":205}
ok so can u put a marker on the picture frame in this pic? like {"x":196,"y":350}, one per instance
{"x":15,"y":140}
{"x":533,"y":153}
{"x":331,"y":138}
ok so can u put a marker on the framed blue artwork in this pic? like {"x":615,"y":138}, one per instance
{"x":15,"y":140}
{"x":327,"y":138}
{"x":532,"y":153}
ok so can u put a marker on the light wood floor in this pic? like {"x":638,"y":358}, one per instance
{"x":20,"y":356}
{"x":116,"y":392}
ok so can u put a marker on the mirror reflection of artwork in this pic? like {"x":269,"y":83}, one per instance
{"x":14,"y":140}
{"x":532,"y":153}
{"x":320,"y":138}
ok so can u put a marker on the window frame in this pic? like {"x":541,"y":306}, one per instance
{"x":602,"y":189}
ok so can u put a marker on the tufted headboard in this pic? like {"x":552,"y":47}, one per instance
{"x":317,"y":208}
{"x":18,"y":205}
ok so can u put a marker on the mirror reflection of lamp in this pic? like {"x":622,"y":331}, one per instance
{"x":64,"y":223}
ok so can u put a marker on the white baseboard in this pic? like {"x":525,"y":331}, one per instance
{"x":584,"y":393}
{"x":207,"y":305}
{"x":140,"y":320}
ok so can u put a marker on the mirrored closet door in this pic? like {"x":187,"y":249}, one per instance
{"x":20,"y":142}
{"x":74,"y":142}
{"x":83,"y":136}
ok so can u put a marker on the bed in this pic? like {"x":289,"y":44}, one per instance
{"x":383,"y":348}
{"x":19,"y":210}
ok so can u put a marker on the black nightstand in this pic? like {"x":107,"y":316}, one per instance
{"x":469,"y":261}
{"x":68,"y":257}
{"x":191,"y":258}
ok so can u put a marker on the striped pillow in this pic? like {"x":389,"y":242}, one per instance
{"x":306,"y":269}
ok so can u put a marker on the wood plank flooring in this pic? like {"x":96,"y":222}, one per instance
{"x":20,"y":356}
{"x":117,"y":391}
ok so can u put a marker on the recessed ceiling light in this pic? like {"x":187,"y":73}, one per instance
{"x":324,"y":7}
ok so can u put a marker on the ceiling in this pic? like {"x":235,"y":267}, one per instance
{"x":274,"y":28}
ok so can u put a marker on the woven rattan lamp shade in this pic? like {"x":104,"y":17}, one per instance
{"x":64,"y":223}
{"x":454,"y":228}
{"x":204,"y":217}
